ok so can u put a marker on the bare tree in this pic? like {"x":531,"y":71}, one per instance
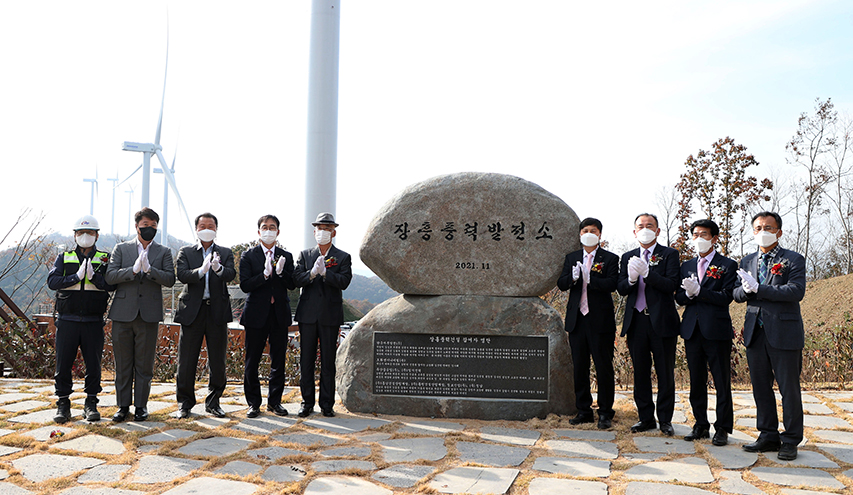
{"x":24,"y":266}
{"x":840,"y":194}
{"x":666,"y":200}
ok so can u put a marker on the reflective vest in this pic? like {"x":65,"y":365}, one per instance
{"x":83,"y":298}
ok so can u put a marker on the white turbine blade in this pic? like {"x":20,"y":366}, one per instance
{"x":163,"y":99}
{"x":97,"y":192}
{"x":171,"y":179}
{"x":128,"y":177}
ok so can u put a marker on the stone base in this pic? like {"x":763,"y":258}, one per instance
{"x":456,"y":315}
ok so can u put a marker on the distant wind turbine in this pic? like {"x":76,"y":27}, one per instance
{"x":92,"y":193}
{"x":129,"y":209}
{"x":113,"y":210}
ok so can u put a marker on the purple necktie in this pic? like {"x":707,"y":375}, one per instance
{"x":641,"y":287}
{"x":703,"y":263}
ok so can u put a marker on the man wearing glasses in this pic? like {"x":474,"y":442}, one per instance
{"x":773,"y":282}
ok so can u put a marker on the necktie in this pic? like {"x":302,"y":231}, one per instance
{"x":269,"y":255}
{"x":703,"y":264}
{"x":762,"y":268}
{"x":641,"y":287}
{"x":584,"y":301}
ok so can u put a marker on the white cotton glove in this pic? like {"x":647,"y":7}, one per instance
{"x":585,"y":273}
{"x":81,"y":272}
{"x":215,"y":262}
{"x":576,"y":271}
{"x":268,"y":267}
{"x":321,"y":265}
{"x":279,"y":266}
{"x":146,"y":266}
{"x":691,"y":286}
{"x":633,"y":270}
{"x":205,"y":265}
{"x":90,"y":270}
{"x":642,"y":268}
{"x":748,"y":282}
{"x":137,"y":267}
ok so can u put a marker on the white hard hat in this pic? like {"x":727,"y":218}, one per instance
{"x":86,"y":222}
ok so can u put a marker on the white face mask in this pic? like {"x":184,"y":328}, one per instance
{"x":85,"y":240}
{"x":646,"y":236}
{"x":765,"y":239}
{"x":589,"y":239}
{"x":206,"y":235}
{"x":702,"y":245}
{"x":322,"y":236}
{"x":268,"y":236}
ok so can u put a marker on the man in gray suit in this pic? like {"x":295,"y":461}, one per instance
{"x":140,"y":268}
{"x":773,"y":282}
{"x":204,"y":310}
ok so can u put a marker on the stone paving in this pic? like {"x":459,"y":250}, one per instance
{"x":366,"y":454}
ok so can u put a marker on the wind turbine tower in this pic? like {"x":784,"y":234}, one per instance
{"x":113,"y":210}
{"x":92,"y":193}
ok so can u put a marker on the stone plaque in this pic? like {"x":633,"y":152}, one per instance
{"x":442,"y":365}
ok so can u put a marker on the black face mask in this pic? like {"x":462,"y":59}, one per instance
{"x":147,"y":233}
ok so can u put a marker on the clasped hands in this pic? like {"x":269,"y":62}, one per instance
{"x":748,"y":282}
{"x":580,"y":270}
{"x":691,"y":286}
{"x":319,"y":268}
{"x":637,"y":268}
{"x":210,"y":261}
{"x":86,"y":269}
{"x":142,"y":263}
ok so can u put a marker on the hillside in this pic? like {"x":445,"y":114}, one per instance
{"x":371,"y":289}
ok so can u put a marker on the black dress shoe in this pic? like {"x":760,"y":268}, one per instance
{"x":666,"y":429}
{"x":604,"y":423}
{"x":305,"y":411}
{"x":140,"y":414}
{"x":643,"y":426}
{"x":215,"y":411}
{"x":761,"y":446}
{"x":253,"y":412}
{"x":698,"y":433}
{"x":121,"y":414}
{"x":329,"y":413}
{"x":63,"y":411}
{"x":581,"y":419}
{"x":787,"y":452}
{"x":721,"y":437}
{"x":181,"y":413}
{"x":277,"y":409}
{"x":90,"y":409}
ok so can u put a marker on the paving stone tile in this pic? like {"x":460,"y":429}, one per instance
{"x":198,"y":409}
{"x":848,"y":473}
{"x":4,"y":450}
{"x":514,"y":436}
{"x":340,"y":465}
{"x":3,"y":474}
{"x":413,"y":449}
{"x":105,"y":473}
{"x":372,"y":437}
{"x":264,"y":425}
{"x":835,"y":436}
{"x":642,"y":457}
{"x":84,"y":490}
{"x":810,"y":408}
{"x":154,"y":406}
{"x":161,"y":469}
{"x":732,"y":456}
{"x":103,"y":401}
{"x":147,"y":449}
{"x":161,"y":389}
{"x":16,"y":397}
{"x":213,"y":485}
{"x":41,"y":467}
{"x":688,"y":470}
{"x":812,"y":421}
{"x":809,"y":398}
{"x":572,"y":448}
{"x":274,"y":453}
{"x":239,"y":468}
{"x":168,"y":436}
{"x":842,"y":452}
{"x":745,"y":422}
{"x":352,"y":451}
{"x":556,"y":486}
{"x":4,"y":432}
{"x":44,"y":389}
{"x":679,"y":417}
{"x":308,"y":439}
{"x":11,"y":489}
{"x":491,"y":455}
{"x":808,"y":458}
{"x":811,"y":478}
{"x":738,"y":436}
{"x":214,"y":446}
{"x":93,"y":443}
{"x":41,"y":417}
{"x":750,"y":412}
{"x":573,"y":467}
{"x":474,"y":480}
{"x":211,"y":422}
{"x":344,"y":484}
{"x":345,"y":424}
{"x":794,"y":491}
{"x":430,"y":427}
{"x":733,"y":482}
{"x":403,"y":475}
{"x":284,"y":474}
{"x":133,"y":426}
{"x":646,"y":488}
{"x":602,"y":436}
{"x":838,"y":395}
{"x":668,"y":445}
{"x":844,"y":406}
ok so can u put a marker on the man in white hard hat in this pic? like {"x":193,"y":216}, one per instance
{"x":82,"y":295}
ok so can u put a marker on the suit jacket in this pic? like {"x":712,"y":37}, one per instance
{"x":321,"y":300}
{"x":777,"y":300}
{"x":190,"y":259}
{"x":260,"y":291}
{"x":660,"y":290}
{"x":139,"y":294}
{"x":710,"y":308}
{"x":599,"y":290}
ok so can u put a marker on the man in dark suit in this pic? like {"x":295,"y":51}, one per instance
{"x":140,"y":268}
{"x":323,"y":272}
{"x":266,"y":273}
{"x":649,"y":276}
{"x":707,"y":282}
{"x":773,"y":282}
{"x":590,"y":275}
{"x":204,"y":310}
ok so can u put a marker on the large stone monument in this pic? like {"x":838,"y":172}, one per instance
{"x":469,"y":337}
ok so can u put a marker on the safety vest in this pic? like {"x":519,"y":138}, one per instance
{"x":83,"y":298}
{"x":71,"y":264}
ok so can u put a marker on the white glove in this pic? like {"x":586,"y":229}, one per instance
{"x":81,"y":272}
{"x":146,"y":266}
{"x":576,"y":271}
{"x":642,"y":268}
{"x":585,"y":272}
{"x":747,"y":281}
{"x":633,"y":271}
{"x":268,"y":267}
{"x":279,"y":266}
{"x":205,"y":265}
{"x":137,"y":267}
{"x":321,"y":265}
{"x":215,"y":262}
{"x":691,"y":286}
{"x":90,"y":270}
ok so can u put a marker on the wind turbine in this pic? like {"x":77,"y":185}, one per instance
{"x":113,"y":211}
{"x":163,"y":230}
{"x":92,"y":193}
{"x":129,"y":208}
